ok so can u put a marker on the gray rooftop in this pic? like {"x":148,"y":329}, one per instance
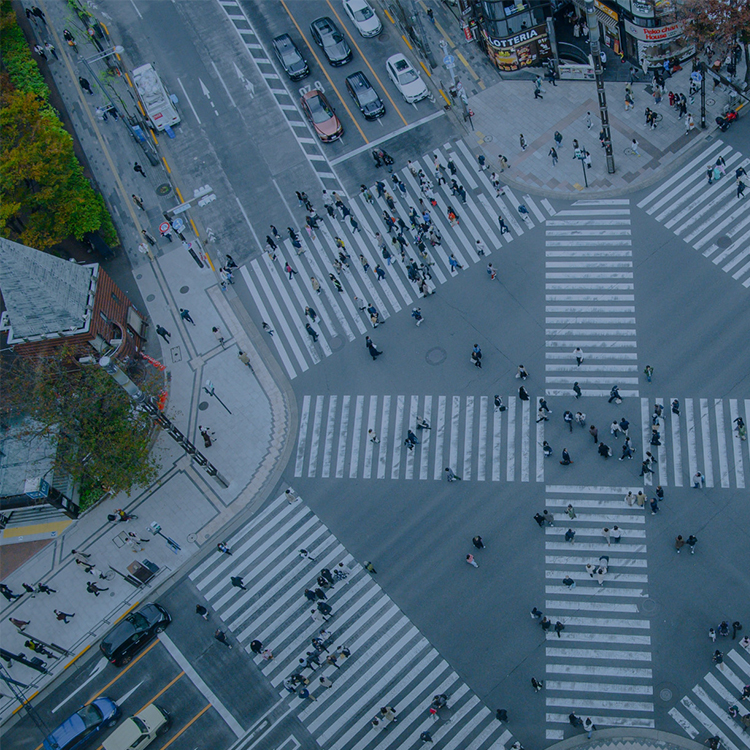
{"x":43,"y":294}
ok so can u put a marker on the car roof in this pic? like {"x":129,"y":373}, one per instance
{"x":324,"y":24}
{"x":312,"y":94}
{"x":359,"y":80}
{"x":283,"y":40}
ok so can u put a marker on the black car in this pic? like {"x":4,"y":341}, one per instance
{"x":327,"y":35}
{"x":133,"y":632}
{"x":368,"y":101}
{"x":295,"y":66}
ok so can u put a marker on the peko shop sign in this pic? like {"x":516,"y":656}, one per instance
{"x":657,"y":34}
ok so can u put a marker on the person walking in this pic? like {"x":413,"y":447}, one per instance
{"x":554,"y":156}
{"x":451,"y":475}
{"x":691,"y":541}
{"x":92,"y":588}
{"x":503,"y":227}
{"x":163,"y":332}
{"x":568,"y":419}
{"x":478,"y":542}
{"x":698,"y":480}
{"x":64,"y":616}
{"x":565,"y":461}
{"x":470,"y":559}
{"x":577,"y":389}
{"x":570,"y":536}
{"x":8,"y":593}
{"x":42,"y":588}
{"x":185,"y":315}
{"x":578,"y":354}
{"x":20,"y":624}
{"x":237,"y":582}
{"x":522,"y":141}
{"x":718,"y":659}
{"x":138,"y":201}
{"x":218,"y":335}
{"x":536,"y":684}
{"x":242,"y":356}
{"x":311,"y":332}
{"x":138,"y":168}
{"x":606,"y":535}
{"x":648,"y":372}
{"x":221,"y":637}
{"x":679,"y":543}
{"x":634,"y":147}
{"x":568,"y":582}
{"x":85,"y":85}
{"x":594,"y":433}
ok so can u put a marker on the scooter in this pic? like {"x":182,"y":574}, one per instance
{"x":726,"y":120}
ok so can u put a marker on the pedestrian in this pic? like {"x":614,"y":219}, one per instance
{"x":373,"y":436}
{"x":311,"y":332}
{"x":554,"y":156}
{"x":256,"y":646}
{"x":568,"y":419}
{"x":569,"y":582}
{"x":242,"y":356}
{"x":221,"y":637}
{"x":451,"y":475}
{"x":548,"y":518}
{"x":522,"y":374}
{"x":698,"y":480}
{"x":594,"y":433}
{"x":92,"y":588}
{"x":580,"y":418}
{"x":565,"y":461}
{"x":63,"y":615}
{"x":736,"y":627}
{"x":675,"y":407}
{"x":237,"y":582}
{"x":138,"y":168}
{"x":718,"y":659}
{"x":740,"y":188}
{"x":605,"y":451}
{"x":588,"y":726}
{"x":570,"y":536}
{"x":523,"y":142}
{"x":523,"y":394}
{"x":545,"y":623}
{"x":185,"y":315}
{"x":202,"y":611}
{"x":689,"y":124}
{"x":315,"y":284}
{"x":8,"y":593}
{"x":51,"y":48}
{"x":536,"y":684}
{"x":85,"y":85}
{"x":648,"y":372}
{"x":634,"y":147}
{"x":578,"y":354}
{"x":163,"y":332}
{"x":42,"y":588}
{"x":21,"y":624}
{"x":481,"y":248}
{"x":503,"y":227}
{"x":151,"y":241}
{"x":470,"y":559}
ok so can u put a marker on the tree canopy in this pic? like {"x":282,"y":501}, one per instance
{"x":101,"y":438}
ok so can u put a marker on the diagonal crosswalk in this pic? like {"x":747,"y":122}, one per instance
{"x":706,"y":708}
{"x":467,"y":433}
{"x":599,"y":665}
{"x":341,"y":316}
{"x":590,"y":300}
{"x":711,"y":218}
{"x":701,"y":437}
{"x":390,"y":661}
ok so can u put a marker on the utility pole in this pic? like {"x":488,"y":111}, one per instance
{"x":703,"y":94}
{"x":593,"y":25}
{"x":147,"y":404}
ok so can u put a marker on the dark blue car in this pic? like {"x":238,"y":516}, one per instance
{"x":84,"y":726}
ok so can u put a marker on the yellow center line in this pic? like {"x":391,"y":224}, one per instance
{"x":465,"y":62}
{"x":408,"y":43}
{"x":129,"y":666}
{"x":325,"y":72}
{"x":161,"y":692}
{"x":389,"y":16}
{"x":190,"y":723}
{"x":367,"y":63}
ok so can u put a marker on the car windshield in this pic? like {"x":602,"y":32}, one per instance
{"x":407,"y":76}
{"x":140,"y":724}
{"x":319,"y":110}
{"x":362,"y":14}
{"x":139,"y":622}
{"x":367,"y":95}
{"x":91,"y":716}
{"x":335,"y":38}
{"x":289,"y":56}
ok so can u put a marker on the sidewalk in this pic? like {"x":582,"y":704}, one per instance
{"x":508,"y":109}
{"x":251,"y":448}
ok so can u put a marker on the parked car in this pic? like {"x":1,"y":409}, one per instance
{"x":369,"y":103}
{"x":406,"y":79}
{"x":295,"y":66}
{"x":139,"y":731}
{"x":363,"y":17}
{"x":327,"y":35}
{"x":321,"y":116}
{"x":84,"y":726}
{"x":133,"y":632}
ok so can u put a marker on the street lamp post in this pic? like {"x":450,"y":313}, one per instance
{"x":593,"y":25}
{"x":147,"y":404}
{"x":155,"y":528}
{"x":101,"y":56}
{"x":210,"y":389}
{"x":582,"y":157}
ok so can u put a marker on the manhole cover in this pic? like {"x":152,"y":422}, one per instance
{"x":488,"y":139}
{"x":710,"y":102}
{"x":184,"y":289}
{"x":723,"y":241}
{"x":203,"y":405}
{"x":336,"y":343}
{"x":436,"y":356}
{"x":139,"y":276}
{"x":649,"y":606}
{"x":191,"y":538}
{"x":164,"y":189}
{"x":665,"y":694}
{"x":150,"y":298}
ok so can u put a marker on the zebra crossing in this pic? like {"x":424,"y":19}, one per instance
{"x":341,"y":316}
{"x":590,"y":300}
{"x":707,"y":705}
{"x":390,"y":661}
{"x":467,"y":433}
{"x":701,"y":437}
{"x":480,"y":443}
{"x":599,"y":665}
{"x":710,"y":218}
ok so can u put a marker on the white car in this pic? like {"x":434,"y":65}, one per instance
{"x":139,"y":731}
{"x":363,"y":17}
{"x":406,"y":79}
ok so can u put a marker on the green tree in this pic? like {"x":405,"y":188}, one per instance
{"x":102,"y":439}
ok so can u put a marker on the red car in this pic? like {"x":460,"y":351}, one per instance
{"x":321,"y":116}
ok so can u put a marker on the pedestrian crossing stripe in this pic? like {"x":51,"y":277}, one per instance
{"x":391,"y":662}
{"x":711,"y":218}
{"x":605,"y":638}
{"x":482,"y":444}
{"x":708,"y":702}
{"x":593,"y":275}
{"x":281,"y":303}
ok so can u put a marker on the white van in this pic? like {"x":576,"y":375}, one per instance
{"x":139,"y":731}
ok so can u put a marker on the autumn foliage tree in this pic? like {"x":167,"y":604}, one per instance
{"x":102,"y":440}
